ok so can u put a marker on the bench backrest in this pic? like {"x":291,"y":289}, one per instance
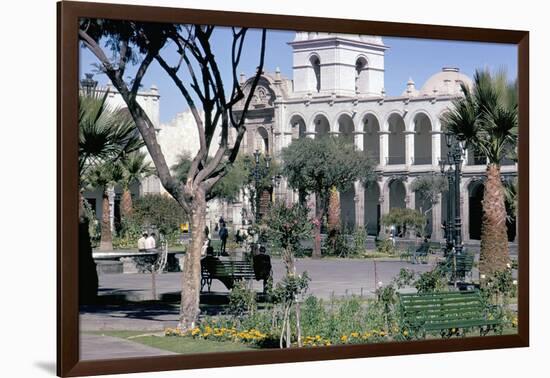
{"x":440,"y":307}
{"x":233,"y":269}
{"x":465,"y":262}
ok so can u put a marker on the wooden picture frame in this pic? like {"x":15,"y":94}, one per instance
{"x":68,"y":362}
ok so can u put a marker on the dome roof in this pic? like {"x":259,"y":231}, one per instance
{"x":310,"y":36}
{"x":446,"y":82}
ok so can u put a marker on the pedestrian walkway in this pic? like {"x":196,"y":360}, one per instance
{"x":99,"y":347}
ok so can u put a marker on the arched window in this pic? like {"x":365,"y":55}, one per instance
{"x":316,"y":65}
{"x":361,"y":75}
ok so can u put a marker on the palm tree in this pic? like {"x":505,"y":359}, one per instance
{"x":486,"y":119}
{"x":135,"y":168}
{"x":104,"y":177}
{"x":105,"y":132}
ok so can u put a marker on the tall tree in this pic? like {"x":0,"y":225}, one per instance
{"x":486,"y":119}
{"x":428,"y":188}
{"x":315,"y":166}
{"x":197,"y":75}
{"x":105,"y":133}
{"x":104,"y":177}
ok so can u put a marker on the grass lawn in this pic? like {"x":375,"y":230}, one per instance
{"x":182,"y":345}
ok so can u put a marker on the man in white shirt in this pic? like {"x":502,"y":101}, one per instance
{"x":150,"y":243}
{"x":141,"y":242}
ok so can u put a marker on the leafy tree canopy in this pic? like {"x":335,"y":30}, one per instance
{"x":429,"y":187}
{"x":157,"y":210}
{"x":238,"y":176}
{"x":317,"y":165}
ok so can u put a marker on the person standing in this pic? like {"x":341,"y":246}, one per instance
{"x":141,"y":242}
{"x":223,"y":237}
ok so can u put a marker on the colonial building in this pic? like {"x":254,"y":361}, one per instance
{"x":338,"y":89}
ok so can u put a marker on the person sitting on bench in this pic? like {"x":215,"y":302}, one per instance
{"x":210,"y":261}
{"x":262,"y":268}
{"x":422,"y":250}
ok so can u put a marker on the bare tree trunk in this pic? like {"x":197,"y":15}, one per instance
{"x":298,"y":324}
{"x":190,"y":292}
{"x":288,"y":333}
{"x":106,"y":241}
{"x":320,"y":211}
{"x":334,"y":224}
{"x":494,"y":237}
{"x":126,"y":206}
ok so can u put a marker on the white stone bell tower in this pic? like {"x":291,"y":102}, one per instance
{"x":335,"y":63}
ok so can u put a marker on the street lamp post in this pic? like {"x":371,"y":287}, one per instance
{"x":457,"y":154}
{"x":453,"y":231}
{"x":88,"y":84}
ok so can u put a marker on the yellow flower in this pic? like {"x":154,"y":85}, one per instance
{"x":354,"y":334}
{"x":344,"y":338}
{"x":405,"y":333}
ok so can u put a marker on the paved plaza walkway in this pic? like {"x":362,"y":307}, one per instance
{"x":338,"y":277}
{"x":100,"y":347}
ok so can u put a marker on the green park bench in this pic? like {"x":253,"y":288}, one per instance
{"x":435,"y":247}
{"x":416,"y":254}
{"x":448,"y":313}
{"x":228,"y":272}
{"x":464,"y":264}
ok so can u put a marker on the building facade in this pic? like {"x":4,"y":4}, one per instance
{"x":338,"y":89}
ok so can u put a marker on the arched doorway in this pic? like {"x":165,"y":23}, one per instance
{"x":475,"y":207}
{"x":262,"y":141}
{"x":398,"y":194}
{"x":321,"y":126}
{"x":396,"y":150}
{"x":422,"y":140}
{"x":346,"y":128}
{"x":297,"y":127}
{"x":371,"y":138}
{"x":347,"y":209}
{"x":372,"y":209}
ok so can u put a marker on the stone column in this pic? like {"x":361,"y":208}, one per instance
{"x":384,"y":201}
{"x":111,"y":195}
{"x":465,"y":212}
{"x":358,"y":140}
{"x":409,"y":147}
{"x":359,"y":204}
{"x":436,"y":148}
{"x":384,"y":147}
{"x":437,"y":232}
{"x":409,"y":195}
{"x":385,"y":197}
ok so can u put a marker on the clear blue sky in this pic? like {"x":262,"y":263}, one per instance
{"x":406,"y":57}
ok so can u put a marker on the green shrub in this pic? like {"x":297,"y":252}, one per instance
{"x":432,"y":281}
{"x":386,"y":247}
{"x":155,"y":210}
{"x":242,"y":300}
{"x":336,"y":245}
